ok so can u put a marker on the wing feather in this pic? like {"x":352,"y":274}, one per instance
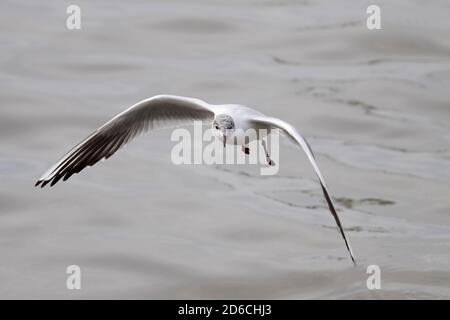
{"x":156,"y":112}
{"x":293,"y":134}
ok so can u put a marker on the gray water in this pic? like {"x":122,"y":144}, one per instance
{"x":375,"y":106}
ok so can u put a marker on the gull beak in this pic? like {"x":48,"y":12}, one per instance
{"x":224,"y":137}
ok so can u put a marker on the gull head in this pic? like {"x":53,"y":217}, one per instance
{"x":223,"y":126}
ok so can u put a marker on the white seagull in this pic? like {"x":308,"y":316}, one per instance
{"x":168,"y":110}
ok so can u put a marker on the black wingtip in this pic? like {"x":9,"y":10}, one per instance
{"x":38,"y":183}
{"x":44,"y":183}
{"x":338,"y":222}
{"x":55,"y":180}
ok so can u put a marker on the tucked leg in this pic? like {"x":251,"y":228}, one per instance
{"x":269,"y":161}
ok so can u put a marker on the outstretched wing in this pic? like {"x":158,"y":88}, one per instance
{"x":156,"y":112}
{"x":292,"y":133}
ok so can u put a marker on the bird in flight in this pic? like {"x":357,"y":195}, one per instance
{"x":230,"y":122}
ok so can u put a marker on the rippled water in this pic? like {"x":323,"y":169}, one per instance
{"x":375,"y":106}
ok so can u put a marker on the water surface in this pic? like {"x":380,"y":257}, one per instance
{"x":375,"y":106}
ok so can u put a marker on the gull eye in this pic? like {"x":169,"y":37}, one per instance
{"x":217,"y":127}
